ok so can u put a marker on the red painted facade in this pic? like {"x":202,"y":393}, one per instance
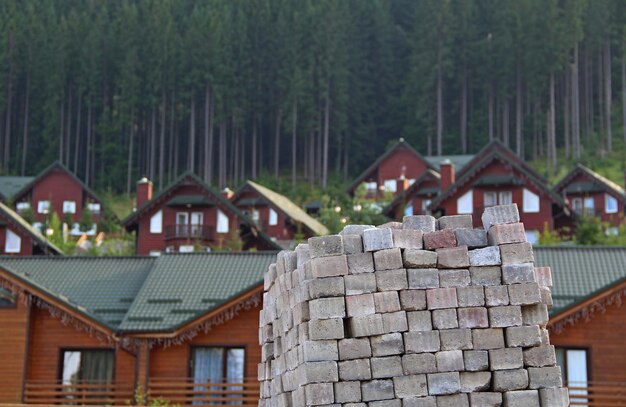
{"x":26,"y":243}
{"x":533,"y":221}
{"x":57,"y":185}
{"x":415,"y":202}
{"x":598,"y":197}
{"x":279,"y":230}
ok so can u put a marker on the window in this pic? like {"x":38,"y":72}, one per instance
{"x":88,"y":366}
{"x":155,"y":253}
{"x":506,"y":197}
{"x":156,"y":222}
{"x":589,"y":206}
{"x":69,"y":207}
{"x":612,"y":231}
{"x":256,"y":217}
{"x":426,"y":205}
{"x":94,"y":208}
{"x":22,"y":206}
{"x":531,"y":202}
{"x":577,"y":205}
{"x":13,"y":243}
{"x":370,"y":186}
{"x":610,"y":204}
{"x":7,"y":298}
{"x":465,"y":204}
{"x":411,"y":181}
{"x":186,"y":249}
{"x":573,"y":364}
{"x":391,"y":185}
{"x":408,"y":209}
{"x":273,"y":217}
{"x":218,"y":365}
{"x":490,"y":199}
{"x":532,"y":236}
{"x":222,"y":222}
{"x":182,"y":218}
{"x":43,"y":206}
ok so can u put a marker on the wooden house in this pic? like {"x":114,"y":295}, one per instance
{"x":588,"y":320}
{"x":182,"y":327}
{"x":276,"y":215}
{"x":496,"y":176}
{"x":589,"y":193}
{"x":19,"y":238}
{"x":57,"y":189}
{"x":416,"y":199}
{"x":188,"y":216}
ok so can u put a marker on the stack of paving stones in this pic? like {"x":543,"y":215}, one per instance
{"x":423,"y":313}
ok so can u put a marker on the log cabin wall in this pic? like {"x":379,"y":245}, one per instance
{"x":14,"y":340}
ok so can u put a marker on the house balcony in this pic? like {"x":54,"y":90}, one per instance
{"x":189,"y":232}
{"x":176,"y":391}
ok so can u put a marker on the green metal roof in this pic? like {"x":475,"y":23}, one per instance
{"x":496,"y":180}
{"x":192,"y":200}
{"x":583,"y":187}
{"x":579,"y":272}
{"x":147,"y":294}
{"x":181,"y":287}
{"x":103,"y":287}
{"x":10,"y":185}
{"x":245,"y":202}
{"x":459,"y":161}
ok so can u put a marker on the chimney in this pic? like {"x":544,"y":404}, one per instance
{"x":227,"y":193}
{"x":446,"y":170}
{"x":402,"y":184}
{"x":144,"y":191}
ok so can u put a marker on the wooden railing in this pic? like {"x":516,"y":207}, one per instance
{"x":87,"y":393}
{"x":597,"y":394}
{"x":186,"y":391}
{"x":189,"y":232}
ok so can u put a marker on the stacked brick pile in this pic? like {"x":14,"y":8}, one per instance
{"x":421,"y":313}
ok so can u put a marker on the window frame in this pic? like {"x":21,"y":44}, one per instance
{"x":493,"y":194}
{"x":272,"y":220}
{"x":45,"y":210}
{"x":156,"y":231}
{"x":6,"y":242}
{"x":217,"y":222}
{"x":391,"y":185}
{"x":223,"y":346}
{"x":73,"y":204}
{"x":587,"y":360}
{"x":606,"y":202}
{"x":502,"y":194}
{"x":469,"y":195}
{"x":526,"y":207}
{"x":578,"y":200}
{"x":8,"y":305}
{"x":61,"y":360}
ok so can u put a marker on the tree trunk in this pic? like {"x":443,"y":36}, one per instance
{"x":153,"y":144}
{"x":505,"y":122}
{"x":254,"y":149}
{"x":519,"y":115}
{"x":222,"y":155}
{"x":9,"y":108}
{"x":608,"y":94}
{"x":68,"y":128}
{"x":602,"y":130}
{"x":207,"y":126}
{"x":77,"y":146}
{"x":279,"y":115}
{"x":575,"y":106}
{"x":311,"y":158}
{"x":61,"y":132}
{"x":490,"y":111}
{"x":439,"y":105}
{"x":566,"y":114}
{"x":294,"y":127}
{"x":162,"y":141}
{"x":326,"y":135}
{"x":211,"y":136}
{"x":624,"y":94}
{"x":172,"y":137}
{"x":25,"y":133}
{"x":463,"y":124}
{"x":552,"y":126}
{"x":88,"y":142}
{"x":131,"y":141}
{"x":192,"y":136}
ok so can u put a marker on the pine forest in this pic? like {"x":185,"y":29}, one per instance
{"x":302,"y":89}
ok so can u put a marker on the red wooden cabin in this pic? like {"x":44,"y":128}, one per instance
{"x":276,"y":215}
{"x":416,"y":199}
{"x":105,"y":330}
{"x":589,"y":193}
{"x":188,"y":216}
{"x":496,"y":176}
{"x":19,"y":238}
{"x":57,"y":189}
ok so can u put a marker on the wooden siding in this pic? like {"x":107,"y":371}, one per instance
{"x":48,"y":336}
{"x":13,"y":337}
{"x":599,"y":199}
{"x":603,"y":337}
{"x":26,"y":245}
{"x":242,"y":331}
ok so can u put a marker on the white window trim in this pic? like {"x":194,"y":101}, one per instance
{"x":13,"y":243}
{"x":94,"y":207}
{"x":273,"y":218}
{"x":607,"y":198}
{"x":529,"y":199}
{"x":43,"y":206}
{"x":463,"y":201}
{"x":222,"y":223}
{"x":156,"y":223}
{"x":71,"y":205}
{"x":391,"y":185}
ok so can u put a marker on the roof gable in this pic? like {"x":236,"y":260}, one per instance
{"x":286,"y":206}
{"x":410,"y":191}
{"x":15,"y":219}
{"x":55,"y":166}
{"x":400,"y":144}
{"x":479,"y":166}
{"x":594,"y":177}
{"x":163,"y":197}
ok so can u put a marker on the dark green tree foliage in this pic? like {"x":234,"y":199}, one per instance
{"x":301,"y":89}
